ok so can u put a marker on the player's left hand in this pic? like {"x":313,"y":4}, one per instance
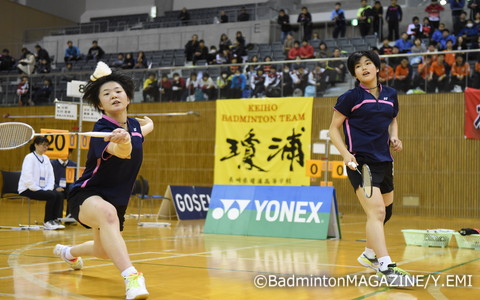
{"x":396,"y":144}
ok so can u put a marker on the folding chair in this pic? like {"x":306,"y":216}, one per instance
{"x":141,"y":190}
{"x":9,"y":192}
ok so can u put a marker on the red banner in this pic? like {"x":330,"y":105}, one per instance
{"x":472,"y":113}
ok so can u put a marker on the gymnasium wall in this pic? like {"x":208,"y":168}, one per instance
{"x":179,"y":4}
{"x":438,"y":166}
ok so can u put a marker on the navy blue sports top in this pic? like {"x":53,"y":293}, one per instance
{"x":368,"y":119}
{"x":110,"y":176}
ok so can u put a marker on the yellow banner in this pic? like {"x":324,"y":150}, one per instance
{"x":263,"y":141}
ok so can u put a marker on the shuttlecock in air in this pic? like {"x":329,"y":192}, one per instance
{"x":101,"y":70}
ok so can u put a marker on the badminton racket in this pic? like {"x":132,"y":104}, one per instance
{"x":366,"y":178}
{"x":16,"y":134}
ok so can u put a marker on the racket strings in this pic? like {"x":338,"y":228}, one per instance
{"x":14,"y":135}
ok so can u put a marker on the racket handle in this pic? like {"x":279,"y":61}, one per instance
{"x":352,"y":164}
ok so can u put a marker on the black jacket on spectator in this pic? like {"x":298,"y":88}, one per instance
{"x":285,"y":27}
{"x":190,"y":49}
{"x":43,"y":54}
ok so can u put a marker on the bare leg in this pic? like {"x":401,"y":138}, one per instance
{"x":108,"y":241}
{"x":374,"y":207}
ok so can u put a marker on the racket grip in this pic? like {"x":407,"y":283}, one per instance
{"x":352,"y":164}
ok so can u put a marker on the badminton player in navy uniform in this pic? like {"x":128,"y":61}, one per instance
{"x":368,"y":114}
{"x":100,"y":197}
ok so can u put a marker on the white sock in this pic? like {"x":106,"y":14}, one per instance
{"x":369,"y":253}
{"x":129,"y":271}
{"x":69,"y":255}
{"x":384,"y":262}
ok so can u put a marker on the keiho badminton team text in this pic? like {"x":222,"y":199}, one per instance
{"x":421,"y":281}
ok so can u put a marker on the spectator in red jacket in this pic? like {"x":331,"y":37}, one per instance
{"x":295,"y":51}
{"x":307,"y":51}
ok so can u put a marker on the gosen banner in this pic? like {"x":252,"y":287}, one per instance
{"x":263,"y":141}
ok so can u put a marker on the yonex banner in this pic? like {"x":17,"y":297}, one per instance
{"x":263,"y":141}
{"x":191,"y":202}
{"x":275,"y":211}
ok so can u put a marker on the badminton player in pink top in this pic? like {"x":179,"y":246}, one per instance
{"x":100,"y":197}
{"x":368,"y":114}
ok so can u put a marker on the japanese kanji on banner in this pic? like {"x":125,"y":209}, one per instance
{"x":472,"y":113}
{"x":263,"y":141}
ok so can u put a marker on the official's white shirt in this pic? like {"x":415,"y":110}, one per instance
{"x":37,"y":173}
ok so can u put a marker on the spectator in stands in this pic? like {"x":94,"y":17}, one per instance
{"x":41,"y":94}
{"x":315,"y":36}
{"x":305,"y":21}
{"x":239,"y":47}
{"x":402,"y":76}
{"x":72,"y":53}
{"x":119,"y":61}
{"x":201,"y":52}
{"x":183,"y":17}
{"x":414,"y":29}
{"x":474,"y":6}
{"x":43,"y":67}
{"x":364,"y":14}
{"x":404,"y":44}
{"x":427,"y":29}
{"x":251,"y":69}
{"x":433,"y":50}
{"x":377,"y":14}
{"x":338,"y":16}
{"x":223,"y":85}
{"x":418,"y":47}
{"x":257,"y":83}
{"x":6,"y":61}
{"x":95,"y":52}
{"x":469,"y":33}
{"x":423,"y":73}
{"x":386,"y":73}
{"x":243,"y":15}
{"x":129,"y":61}
{"x":307,"y":51}
{"x":393,"y":17}
{"x":207,"y":86}
{"x":475,"y":82}
{"x":316,"y":79}
{"x":224,"y":43}
{"x":37,"y":182}
{"x":223,"y":17}
{"x":266,"y":67}
{"x":294,"y":53}
{"x":449,"y":57}
{"x":178,"y":87}
{"x":456,"y":7}
{"x":386,"y":48}
{"x":212,"y":56}
{"x":42,"y":54}
{"x":190,"y":48}
{"x":223,"y":57}
{"x":191,"y":86}
{"x":238,"y":84}
{"x":141,"y":61}
{"x":475,"y":45}
{"x":460,"y":24}
{"x":23,"y":91}
{"x":150,"y":88}
{"x":288,"y":44}
{"x":26,"y":63}
{"x":300,"y":80}
{"x":284,"y":21}
{"x":439,"y":75}
{"x":287,"y":82}
{"x":437,"y":34}
{"x":459,"y":74}
{"x":335,"y":70}
{"x":323,"y":52}
{"x":433,"y":10}
{"x":461,"y":43}
{"x":233,"y":67}
{"x":394,"y":61}
{"x":68,"y":68}
{"x":476,"y":19}
{"x":446,"y":36}
{"x":165,"y":87}
{"x":273,"y":80}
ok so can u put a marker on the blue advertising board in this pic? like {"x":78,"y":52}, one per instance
{"x":191,"y":202}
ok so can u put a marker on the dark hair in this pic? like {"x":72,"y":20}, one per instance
{"x":355,"y":57}
{"x":92,"y":89}
{"x":37,"y":141}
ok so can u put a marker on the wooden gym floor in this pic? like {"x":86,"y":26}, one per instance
{"x":180,"y":262}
